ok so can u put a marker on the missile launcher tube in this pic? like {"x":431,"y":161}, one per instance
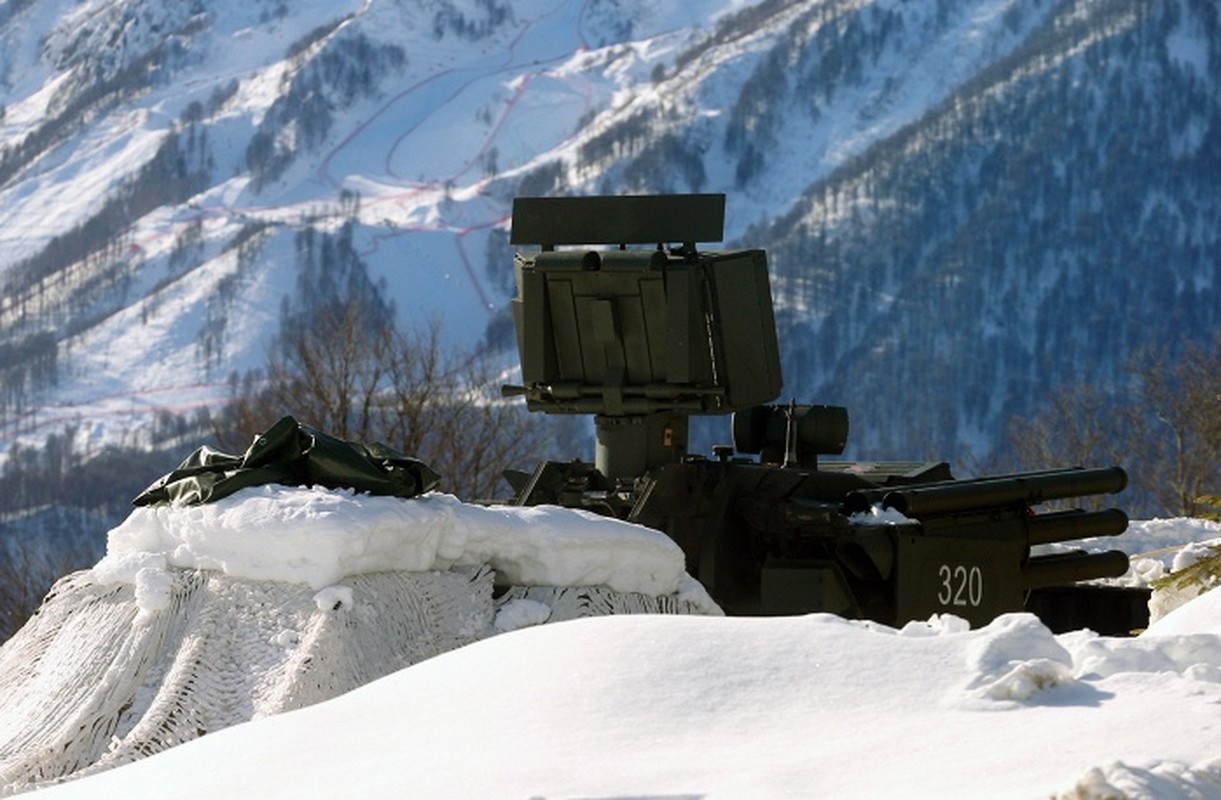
{"x":1066,"y":568}
{"x":1028,"y":488}
{"x":1064,"y":526}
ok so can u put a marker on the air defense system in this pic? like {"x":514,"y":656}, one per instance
{"x":644,"y":337}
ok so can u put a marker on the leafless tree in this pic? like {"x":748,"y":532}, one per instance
{"x":26,"y":575}
{"x":1080,"y":425}
{"x":1181,"y":403}
{"x":359,"y":379}
{"x":1166,"y":430}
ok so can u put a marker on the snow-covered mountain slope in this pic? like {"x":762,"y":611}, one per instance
{"x":966,"y":205}
{"x":165,"y":175}
{"x":928,"y":176}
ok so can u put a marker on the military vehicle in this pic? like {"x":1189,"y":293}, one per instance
{"x":642,"y":338}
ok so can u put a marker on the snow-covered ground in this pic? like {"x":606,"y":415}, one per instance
{"x":693,"y":706}
{"x":653,"y":706}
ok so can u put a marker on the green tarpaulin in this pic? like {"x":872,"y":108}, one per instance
{"x":295,"y":455}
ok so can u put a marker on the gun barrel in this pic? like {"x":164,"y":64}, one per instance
{"x":1064,"y":526}
{"x":1062,"y":568}
{"x":1027,"y":488}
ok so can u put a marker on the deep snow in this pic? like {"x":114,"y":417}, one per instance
{"x":730,"y":707}
{"x":319,"y":536}
{"x":650,"y":706}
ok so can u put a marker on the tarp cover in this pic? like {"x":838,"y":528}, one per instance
{"x":295,"y":455}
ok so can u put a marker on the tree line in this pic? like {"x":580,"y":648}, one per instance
{"x":1165,"y":429}
{"x":344,"y":366}
{"x":339,"y":363}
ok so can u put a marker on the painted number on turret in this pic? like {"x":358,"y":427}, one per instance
{"x":960,"y":585}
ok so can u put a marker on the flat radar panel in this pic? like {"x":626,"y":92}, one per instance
{"x":632,"y":219}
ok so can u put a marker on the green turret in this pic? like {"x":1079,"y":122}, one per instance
{"x":620,"y":315}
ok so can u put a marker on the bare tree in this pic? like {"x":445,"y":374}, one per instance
{"x":1181,"y":404}
{"x":358,"y":377}
{"x":1082,"y":424}
{"x":1166,"y":430}
{"x":27,"y":574}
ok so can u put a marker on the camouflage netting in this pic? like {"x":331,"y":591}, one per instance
{"x":92,"y":682}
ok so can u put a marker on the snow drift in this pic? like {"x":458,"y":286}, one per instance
{"x":276,"y":598}
{"x":267,"y":606}
{"x":811,"y":706}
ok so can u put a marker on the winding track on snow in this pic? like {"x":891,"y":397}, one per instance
{"x":533,"y":47}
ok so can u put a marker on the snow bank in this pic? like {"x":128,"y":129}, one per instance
{"x":646,"y":705}
{"x":203,"y":617}
{"x":1157,"y":546}
{"x":811,"y":706}
{"x":1199,"y":615}
{"x":1160,"y":547}
{"x":318,"y":536}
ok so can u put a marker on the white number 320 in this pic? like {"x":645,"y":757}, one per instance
{"x":960,"y":585}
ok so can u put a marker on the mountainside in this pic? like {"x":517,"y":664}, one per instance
{"x":966,"y":204}
{"x":1053,"y":217}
